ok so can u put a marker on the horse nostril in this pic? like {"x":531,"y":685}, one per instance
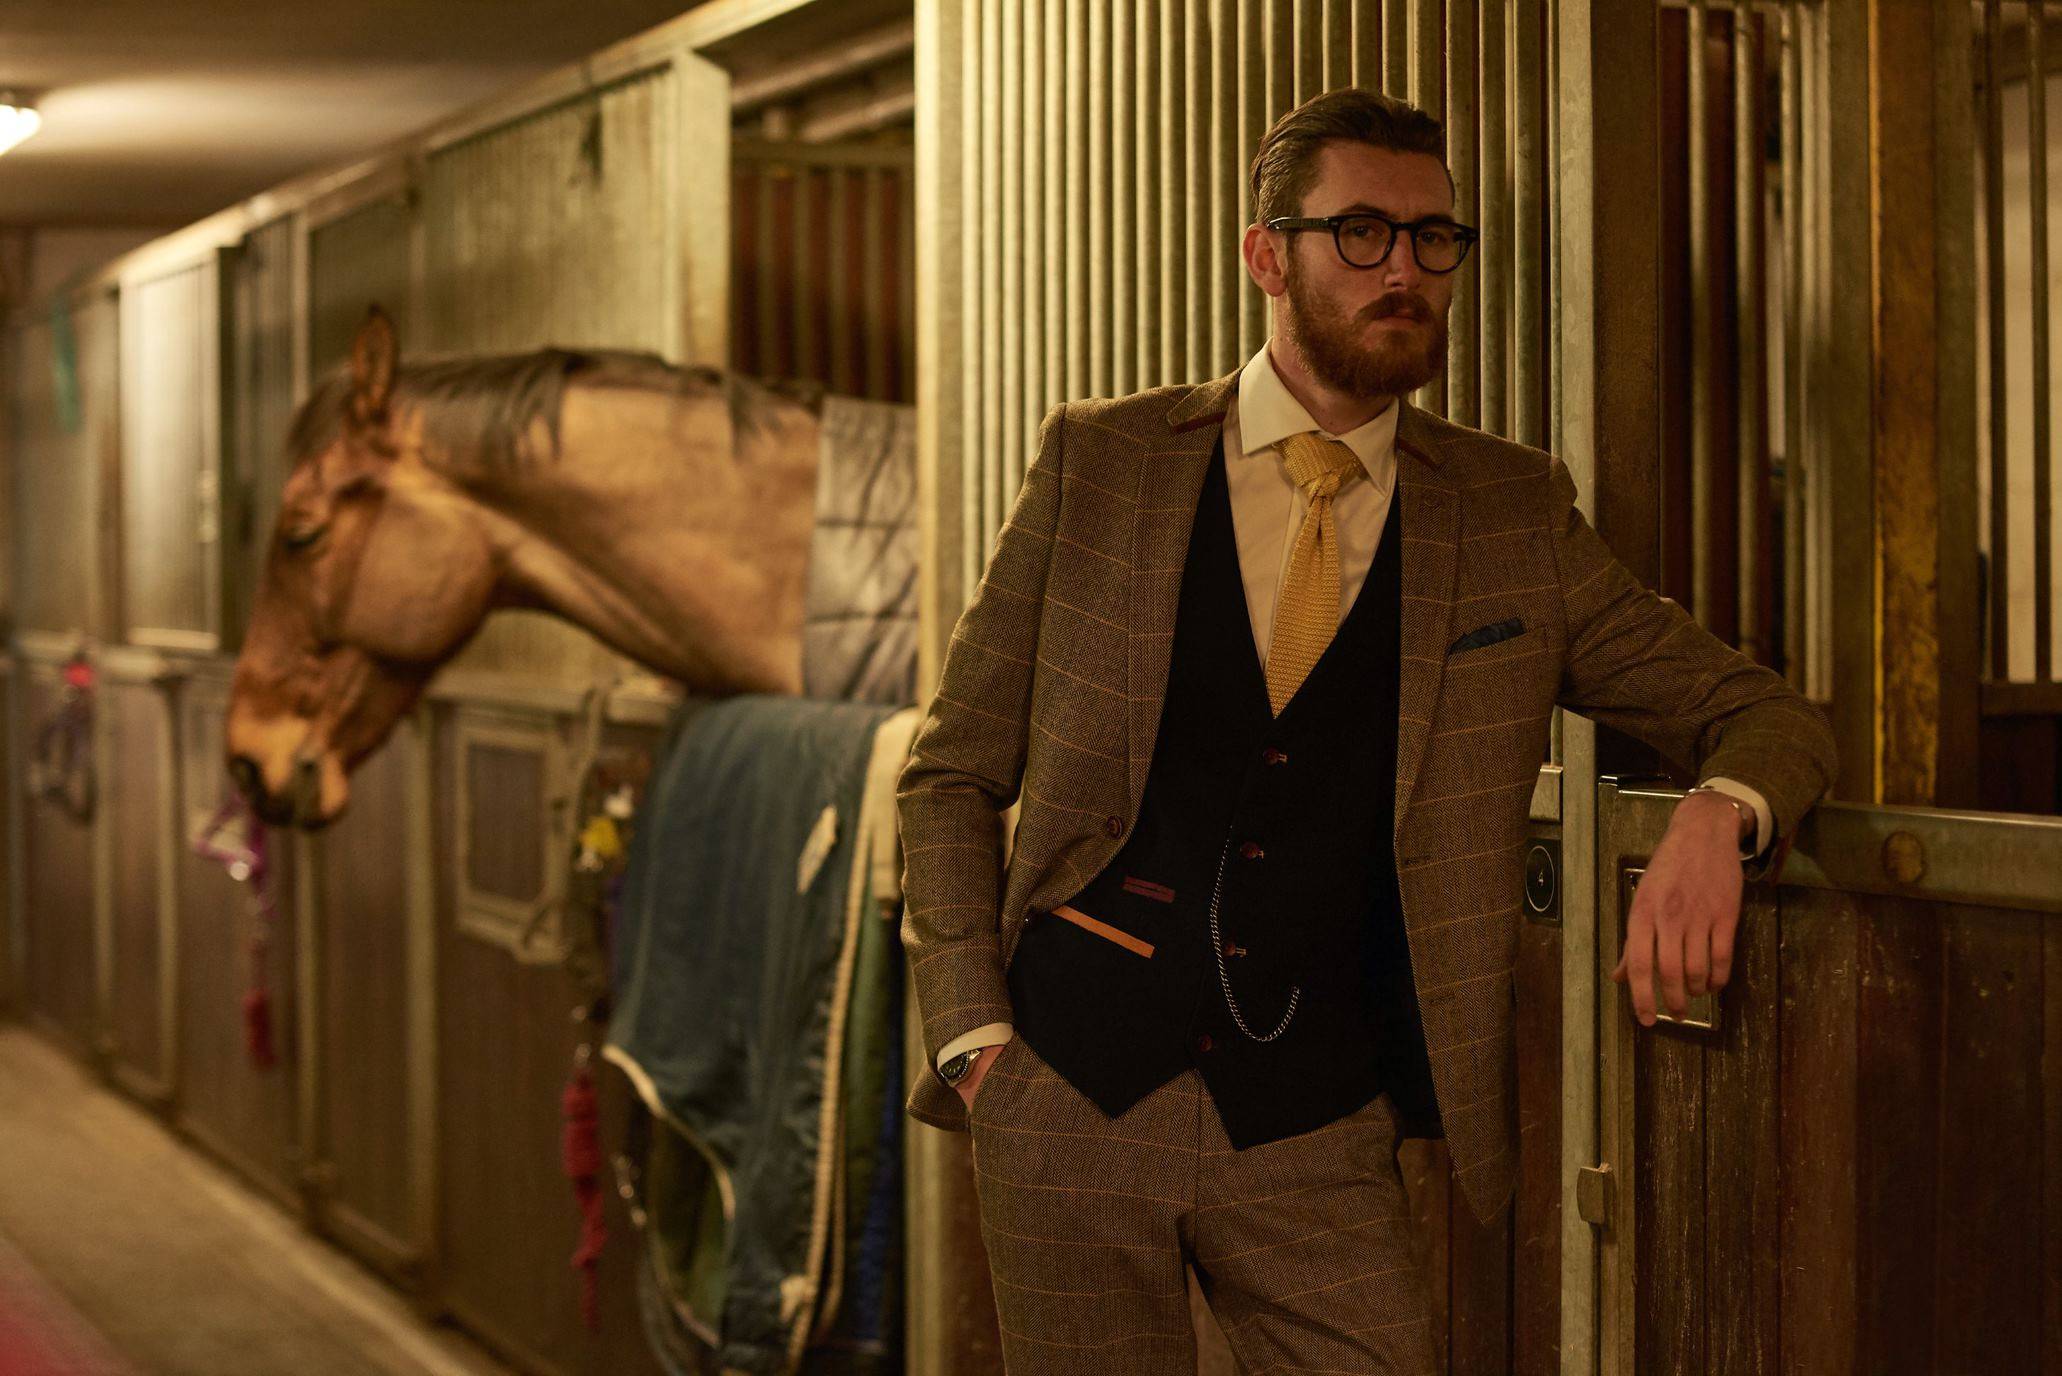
{"x":243,"y":770}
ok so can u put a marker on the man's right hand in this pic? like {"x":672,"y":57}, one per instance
{"x":968,"y":1085}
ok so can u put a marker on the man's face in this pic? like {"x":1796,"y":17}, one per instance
{"x":1369,"y":331}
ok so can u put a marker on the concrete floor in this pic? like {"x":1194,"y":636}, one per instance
{"x":180,"y":1267}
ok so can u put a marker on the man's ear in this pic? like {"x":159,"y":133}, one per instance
{"x":372,"y":367}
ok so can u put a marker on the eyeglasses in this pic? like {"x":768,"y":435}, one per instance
{"x":1364,"y":238}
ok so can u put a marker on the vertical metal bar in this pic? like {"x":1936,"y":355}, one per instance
{"x":838,"y":281}
{"x":1465,"y":342}
{"x":1428,"y":93}
{"x":1366,"y":17}
{"x":1701,"y":362}
{"x":1031,"y":261}
{"x":1994,"y":293}
{"x":2037,"y":199}
{"x":1098,"y":204}
{"x":1497,"y":250}
{"x":1252,"y":124}
{"x":1338,"y":54}
{"x":973,"y":306}
{"x":1793,"y":350}
{"x":1750,"y":291}
{"x":1060,"y":156}
{"x":1306,"y":23}
{"x":987,"y":456}
{"x":1080,"y":167}
{"x":1525,"y":413}
{"x":1228,"y":194}
{"x":1008,"y":98}
{"x":1143,"y":192}
{"x":1199,"y":208}
{"x":1121,"y":194}
{"x":1175,"y":297}
{"x":1396,"y":47}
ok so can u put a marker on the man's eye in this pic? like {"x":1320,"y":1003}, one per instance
{"x":299,"y":539}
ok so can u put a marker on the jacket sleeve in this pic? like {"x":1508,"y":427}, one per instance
{"x":966,"y":767}
{"x":1638,"y":662}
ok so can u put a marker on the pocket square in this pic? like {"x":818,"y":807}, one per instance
{"x":1488,"y":635}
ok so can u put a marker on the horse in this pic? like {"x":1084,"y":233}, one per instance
{"x":668,"y":510}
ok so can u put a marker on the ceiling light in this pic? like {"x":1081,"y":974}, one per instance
{"x":18,"y":119}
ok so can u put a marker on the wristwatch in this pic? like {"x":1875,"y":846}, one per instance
{"x":955,"y":1069}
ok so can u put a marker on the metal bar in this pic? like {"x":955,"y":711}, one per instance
{"x":1493,"y":382}
{"x":1121,"y":191}
{"x":1367,"y":43}
{"x":964,"y":116}
{"x":1146,"y":249}
{"x":1251,"y":88}
{"x":1702,"y":360}
{"x":1174,"y":295}
{"x":1228,"y":195}
{"x":1465,"y":341}
{"x":1008,"y":228}
{"x":1199,"y":218}
{"x":1750,"y":284}
{"x":1098,"y":203}
{"x":987,"y":456}
{"x":1337,"y":67}
{"x":2037,"y":200}
{"x":1525,"y":411}
{"x":1994,"y":310}
{"x":1079,"y":169}
{"x":1038,"y":150}
{"x":1396,"y":47}
{"x":1794,"y":625}
{"x":1428,"y":92}
{"x":1060,"y":157}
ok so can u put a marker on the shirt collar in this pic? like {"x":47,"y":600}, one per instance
{"x":1268,"y":413}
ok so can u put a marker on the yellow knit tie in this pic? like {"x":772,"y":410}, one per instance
{"x":1307,"y":611}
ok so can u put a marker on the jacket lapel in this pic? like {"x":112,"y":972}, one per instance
{"x":1164,"y":510}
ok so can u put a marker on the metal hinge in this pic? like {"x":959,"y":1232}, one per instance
{"x":1594,"y":1187}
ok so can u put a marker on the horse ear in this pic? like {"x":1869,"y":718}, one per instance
{"x":372,"y":366}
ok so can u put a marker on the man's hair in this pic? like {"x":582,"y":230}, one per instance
{"x":1285,"y":165}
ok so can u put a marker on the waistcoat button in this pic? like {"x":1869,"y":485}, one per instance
{"x":1203,"y":1042}
{"x":1273,"y":756}
{"x":1251,"y":850}
{"x":1114,"y":825}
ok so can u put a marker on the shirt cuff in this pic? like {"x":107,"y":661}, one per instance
{"x":1763,"y":825}
{"x":988,"y":1034}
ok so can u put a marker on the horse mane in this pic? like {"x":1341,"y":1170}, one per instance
{"x":481,"y":409}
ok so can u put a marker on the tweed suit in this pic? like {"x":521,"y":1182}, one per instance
{"x":1055,"y":674}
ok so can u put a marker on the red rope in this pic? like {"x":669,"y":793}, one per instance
{"x":580,"y":1151}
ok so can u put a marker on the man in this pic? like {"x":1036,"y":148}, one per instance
{"x":1272,"y":661}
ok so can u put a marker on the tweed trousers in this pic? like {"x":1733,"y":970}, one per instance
{"x":1302,"y":1246}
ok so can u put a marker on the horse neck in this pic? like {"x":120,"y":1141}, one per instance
{"x":667,"y":533}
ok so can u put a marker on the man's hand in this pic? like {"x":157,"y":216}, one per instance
{"x":982,"y":1057}
{"x":1685,"y":908}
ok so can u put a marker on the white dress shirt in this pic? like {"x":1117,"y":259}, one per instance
{"x":1267,"y":509}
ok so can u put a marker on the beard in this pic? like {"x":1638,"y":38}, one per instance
{"x":1329,"y":337}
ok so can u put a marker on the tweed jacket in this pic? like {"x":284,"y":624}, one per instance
{"x":1054,"y":676}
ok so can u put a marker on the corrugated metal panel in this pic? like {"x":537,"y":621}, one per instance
{"x":171,"y":446}
{"x":558,"y":228}
{"x":1110,"y":169}
{"x":262,"y":392}
{"x":355,"y":261}
{"x":60,"y":454}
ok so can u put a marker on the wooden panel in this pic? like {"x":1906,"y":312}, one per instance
{"x":242,"y":1113}
{"x":362,"y":891}
{"x":1536,"y":1217}
{"x":503,"y":850}
{"x":508,"y":1222}
{"x":131,"y":800}
{"x":1742,"y":1182}
{"x":57,"y":893}
{"x":170,"y":439}
{"x":1821,"y":985}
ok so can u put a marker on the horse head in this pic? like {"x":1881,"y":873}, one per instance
{"x":375,"y":574}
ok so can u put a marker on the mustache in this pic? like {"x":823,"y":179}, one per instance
{"x":1409,"y":307}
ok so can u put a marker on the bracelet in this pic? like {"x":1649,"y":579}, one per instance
{"x":1746,"y":814}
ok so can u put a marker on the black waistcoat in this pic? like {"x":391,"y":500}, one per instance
{"x":1297,"y":814}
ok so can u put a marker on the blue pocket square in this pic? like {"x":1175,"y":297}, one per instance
{"x":1488,"y":635}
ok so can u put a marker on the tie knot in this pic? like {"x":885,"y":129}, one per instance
{"x":1319,"y":464}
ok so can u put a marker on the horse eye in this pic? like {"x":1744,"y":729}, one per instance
{"x":296,"y":540}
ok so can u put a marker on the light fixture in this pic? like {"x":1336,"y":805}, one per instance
{"x":18,"y":119}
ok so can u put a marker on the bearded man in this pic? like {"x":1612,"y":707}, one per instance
{"x":1272,"y":661}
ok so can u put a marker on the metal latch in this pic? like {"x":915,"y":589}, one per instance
{"x":1594,"y":1186}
